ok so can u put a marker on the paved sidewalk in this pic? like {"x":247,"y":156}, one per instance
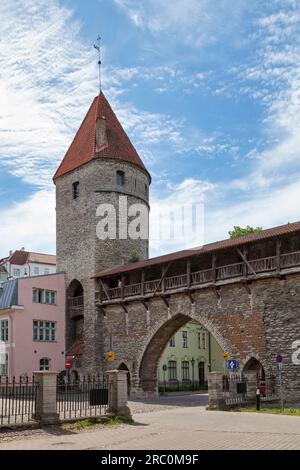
{"x":180,"y":428}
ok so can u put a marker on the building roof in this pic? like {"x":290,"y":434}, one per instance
{"x":9,"y":294}
{"x":76,"y":349}
{"x":21,"y":257}
{"x":84,"y":149}
{"x":210,"y":247}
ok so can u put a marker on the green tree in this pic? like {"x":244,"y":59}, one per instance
{"x":240,"y":231}
{"x":135,"y":258}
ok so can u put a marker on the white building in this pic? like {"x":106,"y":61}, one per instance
{"x":21,"y":263}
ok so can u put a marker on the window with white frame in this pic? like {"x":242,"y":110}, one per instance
{"x":46,"y":271}
{"x":172,"y":342}
{"x":172,"y":370}
{"x":44,"y":330}
{"x":184,"y":339}
{"x":185,"y":370}
{"x":16,"y":272}
{"x":42,"y":296}
{"x":36,"y":271}
{"x":3,"y":364}
{"x":4,"y":330}
{"x":45,"y":363}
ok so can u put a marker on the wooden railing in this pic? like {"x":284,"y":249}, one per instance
{"x":152,"y":286}
{"x":288,"y":260}
{"x":268,"y":264}
{"x":202,"y":277}
{"x":263,"y":265}
{"x":75,"y":303}
{"x":132,"y":289}
{"x":232,"y":270}
{"x":175,"y":282}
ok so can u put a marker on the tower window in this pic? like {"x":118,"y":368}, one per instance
{"x":120,"y":178}
{"x":76,"y":190}
{"x":146,"y":190}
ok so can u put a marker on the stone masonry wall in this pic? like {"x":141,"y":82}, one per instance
{"x":80,"y":254}
{"x":261,"y":325}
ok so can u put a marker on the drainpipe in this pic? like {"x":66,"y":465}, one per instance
{"x":209,"y":352}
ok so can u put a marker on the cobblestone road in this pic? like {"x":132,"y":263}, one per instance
{"x":177,"y":423}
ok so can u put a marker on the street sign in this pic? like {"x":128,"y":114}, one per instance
{"x":111,"y":356}
{"x":232,"y":364}
{"x":68,"y":364}
{"x":279,"y":358}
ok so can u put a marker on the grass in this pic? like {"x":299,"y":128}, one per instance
{"x":93,"y":422}
{"x":273,"y":410}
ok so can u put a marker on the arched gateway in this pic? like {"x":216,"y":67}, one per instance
{"x":234,"y":288}
{"x":155,"y":347}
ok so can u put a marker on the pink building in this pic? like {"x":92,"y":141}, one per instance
{"x":32,"y":325}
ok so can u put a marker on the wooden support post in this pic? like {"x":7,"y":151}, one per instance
{"x":100,"y":293}
{"x":245,"y":267}
{"x":143,"y":282}
{"x":164,"y":272}
{"x":105,"y":290}
{"x":214,"y":268}
{"x":246,"y":261}
{"x":278,"y":252}
{"x":188,"y":273}
{"x":122,"y":286}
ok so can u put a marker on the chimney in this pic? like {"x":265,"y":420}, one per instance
{"x":10,"y":252}
{"x":101,"y":137}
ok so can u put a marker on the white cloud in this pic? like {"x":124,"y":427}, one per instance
{"x":30,"y":224}
{"x":193,"y":22}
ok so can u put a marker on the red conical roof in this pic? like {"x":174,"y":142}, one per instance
{"x":83,"y":148}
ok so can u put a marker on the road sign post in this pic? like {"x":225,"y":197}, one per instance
{"x":279,"y":360}
{"x":257,"y":399}
{"x":232,"y":364}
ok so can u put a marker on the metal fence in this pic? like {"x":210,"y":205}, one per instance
{"x":84,"y":397}
{"x":181,"y":386}
{"x":17,"y":400}
{"x":236,"y":389}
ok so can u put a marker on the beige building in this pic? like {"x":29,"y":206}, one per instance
{"x":191,"y":353}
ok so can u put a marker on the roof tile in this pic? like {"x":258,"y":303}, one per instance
{"x":83,"y":148}
{"x":219,"y":245}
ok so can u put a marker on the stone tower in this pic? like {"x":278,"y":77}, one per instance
{"x":100,"y":168}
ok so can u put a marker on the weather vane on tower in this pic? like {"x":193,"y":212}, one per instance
{"x":97,"y":46}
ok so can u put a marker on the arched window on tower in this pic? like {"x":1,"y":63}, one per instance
{"x":120,"y":178}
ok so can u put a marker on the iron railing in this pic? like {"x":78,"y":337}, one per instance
{"x":17,"y":400}
{"x":181,"y":386}
{"x":82,"y":398}
{"x":235,"y":389}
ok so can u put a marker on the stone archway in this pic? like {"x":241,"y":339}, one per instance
{"x":156,"y":345}
{"x":123,"y":366}
{"x":254,"y":365}
{"x":75,"y":322}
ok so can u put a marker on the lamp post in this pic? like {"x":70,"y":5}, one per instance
{"x":164,"y":370}
{"x":193,"y":376}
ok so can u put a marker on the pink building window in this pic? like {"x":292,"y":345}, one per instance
{"x":45,"y":363}
{"x":44,"y":330}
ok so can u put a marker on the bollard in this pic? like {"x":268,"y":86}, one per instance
{"x":257,"y":399}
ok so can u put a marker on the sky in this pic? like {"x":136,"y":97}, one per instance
{"x":208,"y":92}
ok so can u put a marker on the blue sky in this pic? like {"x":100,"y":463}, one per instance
{"x":209,"y":93}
